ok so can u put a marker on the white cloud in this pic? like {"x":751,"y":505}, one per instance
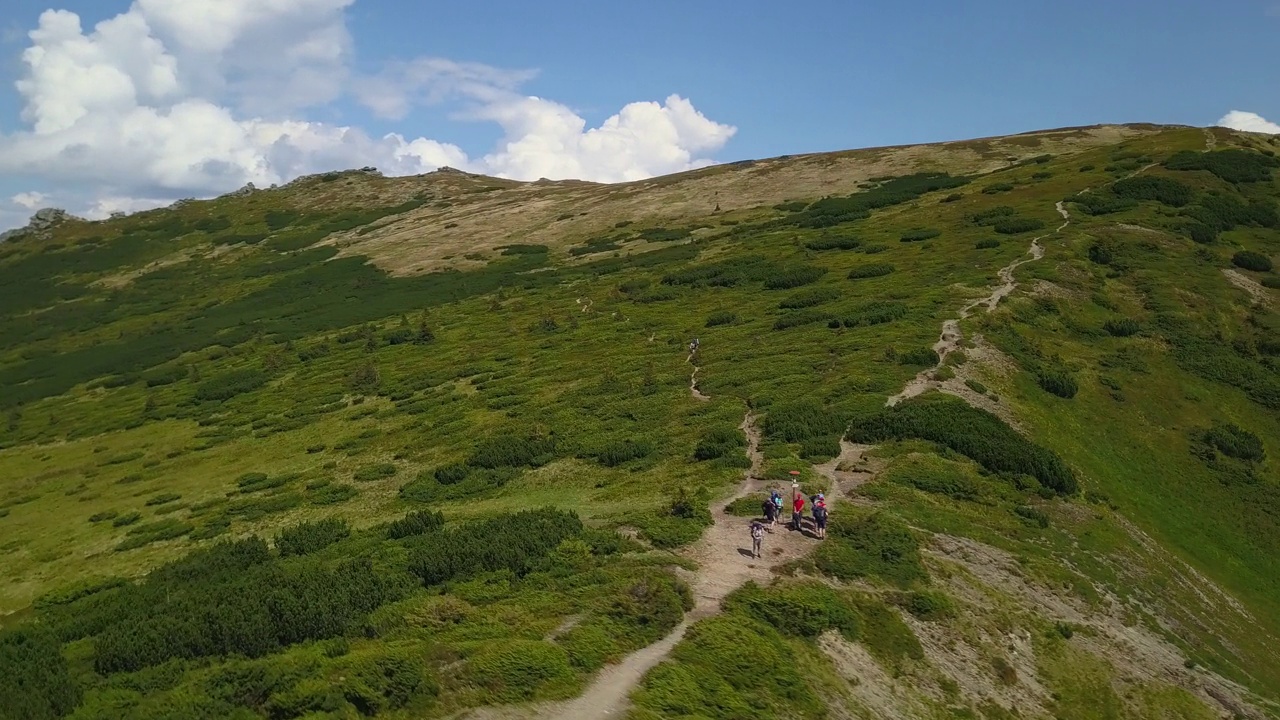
{"x":1249,"y":122}
{"x":177,"y":98}
{"x":29,"y":200}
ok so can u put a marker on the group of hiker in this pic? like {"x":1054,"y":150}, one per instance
{"x":772,"y":510}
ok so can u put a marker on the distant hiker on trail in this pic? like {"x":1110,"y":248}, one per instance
{"x":820,"y":516}
{"x":770,"y":511}
{"x":797,"y":512}
{"x":777,"y":504}
{"x":757,"y":537}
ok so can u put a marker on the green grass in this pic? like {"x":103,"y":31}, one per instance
{"x":279,"y":385}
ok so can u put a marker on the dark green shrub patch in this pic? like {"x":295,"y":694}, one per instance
{"x":803,"y":610}
{"x":1232,"y":165}
{"x":894,"y":191}
{"x":500,"y":451}
{"x":874,"y":313}
{"x":919,"y":357}
{"x":809,"y":298}
{"x":308,"y":537}
{"x":919,"y":234}
{"x":969,"y":431}
{"x":1123,"y":327}
{"x":993,"y":215}
{"x":801,"y":420}
{"x":834,"y":243}
{"x":514,"y":542}
{"x":794,"y":276}
{"x":1250,"y":260}
{"x":617,"y":453}
{"x":870,"y":270}
{"x":876,"y":545}
{"x":1032,"y":515}
{"x":418,"y":522}
{"x":1149,"y":187}
{"x":1017,"y":225}
{"x":1057,"y":382}
{"x":721,"y":317}
{"x":1234,"y":441}
{"x":230,"y":384}
{"x":719,"y":442}
{"x":987,"y":244}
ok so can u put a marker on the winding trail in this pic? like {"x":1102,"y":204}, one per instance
{"x":949,"y":341}
{"x":586,"y":307}
{"x":693,"y":380}
{"x":723,"y":554}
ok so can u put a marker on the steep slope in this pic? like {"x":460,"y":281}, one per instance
{"x":1037,"y":374}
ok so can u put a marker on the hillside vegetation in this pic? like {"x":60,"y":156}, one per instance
{"x":429,"y":446}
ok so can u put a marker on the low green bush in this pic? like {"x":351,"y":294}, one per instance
{"x":126,"y":519}
{"x":1150,"y":187}
{"x":918,"y":357}
{"x":1234,"y":441}
{"x":1017,"y":225}
{"x":834,"y":243}
{"x":969,"y":431}
{"x":721,"y":317}
{"x":809,"y":298}
{"x":1057,"y":382}
{"x":1033,"y":515}
{"x":987,"y":244}
{"x":1123,"y":327}
{"x":871,"y":270}
{"x":927,"y":605}
{"x":875,"y":545}
{"x":1249,"y":260}
{"x":309,"y":537}
{"x":919,"y":234}
{"x":719,"y":442}
{"x":804,"y":610}
{"x":794,"y":276}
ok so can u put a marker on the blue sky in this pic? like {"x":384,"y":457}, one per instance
{"x":759,"y":79}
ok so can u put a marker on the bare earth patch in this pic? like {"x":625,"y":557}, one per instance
{"x":1249,"y":285}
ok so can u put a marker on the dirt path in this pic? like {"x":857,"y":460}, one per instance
{"x":1249,"y":285}
{"x":847,"y":471}
{"x":724,"y":562}
{"x":693,"y":380}
{"x":1210,"y":140}
{"x":949,"y":341}
{"x":586,"y":307}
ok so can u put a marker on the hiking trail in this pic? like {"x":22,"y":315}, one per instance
{"x":723,"y":554}
{"x":949,"y":341}
{"x":693,"y":380}
{"x":586,"y":307}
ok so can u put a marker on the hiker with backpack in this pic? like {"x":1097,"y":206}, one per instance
{"x":757,"y":537}
{"x":770,"y":511}
{"x":820,"y":515}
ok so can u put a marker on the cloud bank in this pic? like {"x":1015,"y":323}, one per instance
{"x":178,"y":98}
{"x":1247,"y":121}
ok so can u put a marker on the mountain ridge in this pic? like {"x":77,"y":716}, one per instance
{"x":1071,"y":513}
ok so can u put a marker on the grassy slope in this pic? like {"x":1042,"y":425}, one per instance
{"x":529,"y":356}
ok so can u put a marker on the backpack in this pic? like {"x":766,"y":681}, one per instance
{"x":757,"y":531}
{"x":819,"y":512}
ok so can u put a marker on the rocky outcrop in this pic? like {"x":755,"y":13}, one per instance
{"x":44,"y":220}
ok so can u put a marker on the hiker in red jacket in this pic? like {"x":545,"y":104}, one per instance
{"x":797,"y":512}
